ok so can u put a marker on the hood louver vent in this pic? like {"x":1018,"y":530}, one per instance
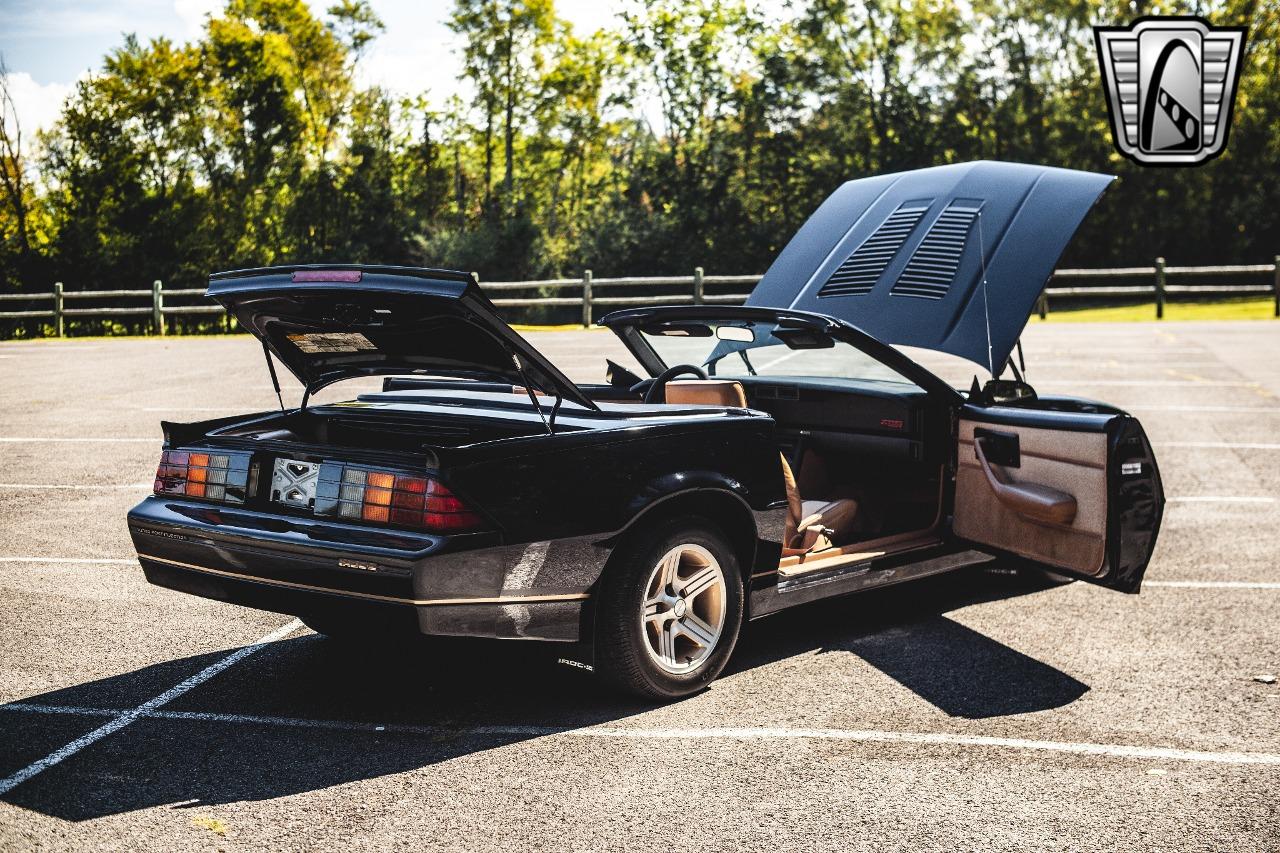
{"x":932,"y":268}
{"x":863,"y":268}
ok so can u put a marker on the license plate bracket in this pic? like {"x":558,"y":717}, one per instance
{"x":293,"y":483}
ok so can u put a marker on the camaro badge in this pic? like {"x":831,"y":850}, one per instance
{"x":1171,"y":85}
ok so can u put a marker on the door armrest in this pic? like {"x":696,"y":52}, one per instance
{"x":1036,"y":502}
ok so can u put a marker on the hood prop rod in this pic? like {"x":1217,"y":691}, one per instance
{"x":275,"y":380}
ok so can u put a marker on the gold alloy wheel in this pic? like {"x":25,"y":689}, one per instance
{"x":684,"y":609}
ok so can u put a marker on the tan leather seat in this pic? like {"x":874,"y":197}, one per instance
{"x":813,"y":525}
{"x":707,"y":392}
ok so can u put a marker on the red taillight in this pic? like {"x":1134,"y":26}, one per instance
{"x":201,"y":474}
{"x":388,"y":498}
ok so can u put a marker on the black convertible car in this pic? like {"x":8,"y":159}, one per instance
{"x":778,"y":453}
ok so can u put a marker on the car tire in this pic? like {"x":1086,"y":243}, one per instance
{"x":669,"y":610}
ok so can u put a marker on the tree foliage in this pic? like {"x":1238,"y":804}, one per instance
{"x":694,"y":132}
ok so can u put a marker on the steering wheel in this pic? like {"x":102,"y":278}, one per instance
{"x":659,"y":385}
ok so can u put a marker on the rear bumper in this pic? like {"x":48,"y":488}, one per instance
{"x":469,"y":585}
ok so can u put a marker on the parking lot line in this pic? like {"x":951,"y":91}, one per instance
{"x":87,"y":487}
{"x":134,"y":714}
{"x":44,"y":438}
{"x":1148,"y":383}
{"x":1248,"y":410}
{"x":1223,"y":445}
{"x":1222,"y":499}
{"x":1109,"y":750}
{"x":116,"y":561}
{"x":1213,"y":584}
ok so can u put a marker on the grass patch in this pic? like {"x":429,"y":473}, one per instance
{"x":1252,"y":308}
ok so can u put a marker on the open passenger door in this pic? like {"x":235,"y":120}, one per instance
{"x":1077,"y":492}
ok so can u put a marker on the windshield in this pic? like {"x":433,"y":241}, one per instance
{"x":724,"y":349}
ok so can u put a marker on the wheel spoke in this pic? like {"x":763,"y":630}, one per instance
{"x":667,"y":571}
{"x":656,"y":611}
{"x":701,"y":581}
{"x":695,"y":629}
{"x":667,"y":642}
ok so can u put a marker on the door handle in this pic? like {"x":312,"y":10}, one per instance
{"x":1038,"y":503}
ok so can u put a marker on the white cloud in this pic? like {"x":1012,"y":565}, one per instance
{"x":192,"y":13}
{"x":38,"y":105}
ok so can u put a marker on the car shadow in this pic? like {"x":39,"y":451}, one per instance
{"x":450,"y":700}
{"x":902,"y":632}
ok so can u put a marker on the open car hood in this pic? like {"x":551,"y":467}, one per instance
{"x":328,"y":323}
{"x":904,"y":256}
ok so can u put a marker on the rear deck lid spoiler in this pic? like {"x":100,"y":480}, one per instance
{"x":904,"y":256}
{"x":329,"y":323}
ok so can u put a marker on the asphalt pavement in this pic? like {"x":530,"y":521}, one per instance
{"x":976,"y":711}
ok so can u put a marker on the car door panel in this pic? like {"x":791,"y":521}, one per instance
{"x":1071,"y":463}
{"x":1077,"y":492}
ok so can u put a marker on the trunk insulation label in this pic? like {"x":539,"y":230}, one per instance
{"x":326,"y":342}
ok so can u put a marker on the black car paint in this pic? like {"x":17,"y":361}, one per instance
{"x":583,"y":491}
{"x":574,"y":495}
{"x":426,"y":319}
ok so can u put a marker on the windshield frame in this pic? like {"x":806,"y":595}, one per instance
{"x":626,"y":324}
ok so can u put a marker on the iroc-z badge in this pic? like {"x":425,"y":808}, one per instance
{"x":1171,"y":85}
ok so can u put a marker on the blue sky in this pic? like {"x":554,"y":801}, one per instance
{"x":48,"y":44}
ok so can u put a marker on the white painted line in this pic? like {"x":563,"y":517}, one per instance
{"x":51,"y":347}
{"x":126,"y":718}
{"x":1223,"y":499}
{"x":74,"y":486}
{"x":1145,"y":383}
{"x":41,"y":438}
{"x":89,"y":561}
{"x":1249,"y":410}
{"x":1222,"y":445}
{"x":1157,"y":753}
{"x":776,"y":361}
{"x":231,"y":409}
{"x":1213,"y":584}
{"x":1116,"y":365}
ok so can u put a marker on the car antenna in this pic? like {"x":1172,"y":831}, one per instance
{"x":986,"y":310}
{"x":533,"y":397}
{"x":275,"y":380}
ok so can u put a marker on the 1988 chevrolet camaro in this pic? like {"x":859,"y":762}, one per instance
{"x":778,"y":453}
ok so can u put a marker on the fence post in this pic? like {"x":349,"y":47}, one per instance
{"x":1159,"y":288}
{"x":57,"y":308}
{"x":157,"y":307}
{"x":1043,"y":305}
{"x":697,"y":285}
{"x":586,"y":299}
{"x":1276,"y":285}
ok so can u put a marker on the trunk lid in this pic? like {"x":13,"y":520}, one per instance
{"x":329,"y":323}
{"x":903,"y":256}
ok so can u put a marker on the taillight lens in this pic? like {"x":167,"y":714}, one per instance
{"x":409,"y":501}
{"x":215,"y":476}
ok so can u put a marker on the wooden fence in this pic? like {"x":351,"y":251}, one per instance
{"x":589,"y":293}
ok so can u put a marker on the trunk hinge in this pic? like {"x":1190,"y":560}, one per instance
{"x":275,"y":380}
{"x":550,"y":426}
